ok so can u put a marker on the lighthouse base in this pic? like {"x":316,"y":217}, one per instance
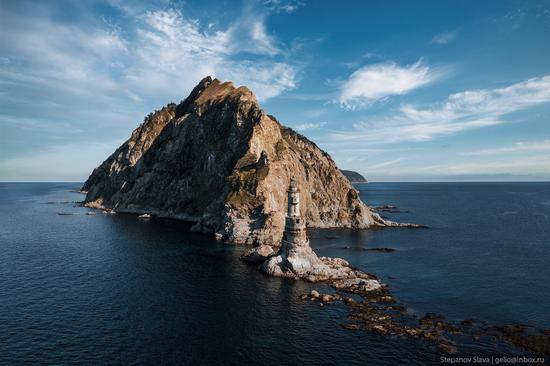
{"x":301,"y":262}
{"x":292,"y":261}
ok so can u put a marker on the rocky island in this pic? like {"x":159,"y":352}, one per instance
{"x":218,"y":160}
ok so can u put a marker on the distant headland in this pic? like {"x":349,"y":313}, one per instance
{"x":353,"y":176}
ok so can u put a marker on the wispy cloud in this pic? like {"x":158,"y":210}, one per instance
{"x":513,"y":19}
{"x":309,"y":126}
{"x":518,"y":147}
{"x":462,"y":111}
{"x":168,"y":43}
{"x":152,"y":57}
{"x":521,"y":169}
{"x":102,"y":76}
{"x":365,"y":56}
{"x":287,"y":6}
{"x":385,"y":164}
{"x":532,"y":165}
{"x":376,"y":82}
{"x":444,"y":38}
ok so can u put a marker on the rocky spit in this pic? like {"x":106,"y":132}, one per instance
{"x":372,"y":307}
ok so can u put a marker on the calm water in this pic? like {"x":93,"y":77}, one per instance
{"x":116,"y":290}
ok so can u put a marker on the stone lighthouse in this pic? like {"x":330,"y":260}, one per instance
{"x":295,"y":226}
{"x":295,"y":257}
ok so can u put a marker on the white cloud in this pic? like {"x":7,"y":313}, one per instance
{"x":102,"y":76}
{"x":309,"y":126}
{"x":459,"y":112}
{"x":379,"y":81}
{"x":265,"y":79}
{"x":444,"y":38}
{"x":518,"y":147}
{"x":169,"y":46}
{"x":165,"y":59}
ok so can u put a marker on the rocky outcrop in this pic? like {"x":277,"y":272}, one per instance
{"x":218,"y":160}
{"x":354,"y":177}
{"x":258,"y":254}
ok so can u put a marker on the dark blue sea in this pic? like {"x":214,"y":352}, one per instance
{"x":115,"y":290}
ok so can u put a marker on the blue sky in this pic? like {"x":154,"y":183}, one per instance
{"x":399,"y":91}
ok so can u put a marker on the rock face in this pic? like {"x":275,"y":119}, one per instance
{"x":354,"y":177}
{"x":218,"y":160}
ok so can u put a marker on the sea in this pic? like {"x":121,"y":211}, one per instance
{"x":99,"y":289}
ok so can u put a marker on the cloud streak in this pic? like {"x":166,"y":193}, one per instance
{"x":459,"y":112}
{"x":309,"y":126}
{"x":517,"y":148}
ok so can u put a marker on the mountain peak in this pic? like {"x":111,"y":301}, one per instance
{"x":217,"y":90}
{"x":218,"y":160}
{"x":210,"y":90}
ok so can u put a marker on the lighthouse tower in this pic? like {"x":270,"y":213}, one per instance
{"x":295,"y":226}
{"x":295,"y":257}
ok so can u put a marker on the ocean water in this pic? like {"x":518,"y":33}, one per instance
{"x":112,"y":289}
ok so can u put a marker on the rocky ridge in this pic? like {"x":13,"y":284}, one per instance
{"x":218,"y":160}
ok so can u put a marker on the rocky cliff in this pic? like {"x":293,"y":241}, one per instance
{"x":218,"y":160}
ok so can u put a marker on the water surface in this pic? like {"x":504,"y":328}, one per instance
{"x":112,"y":289}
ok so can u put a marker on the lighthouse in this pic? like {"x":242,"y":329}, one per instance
{"x":295,"y":257}
{"x":295,"y":226}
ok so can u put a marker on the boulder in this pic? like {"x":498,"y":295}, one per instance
{"x":258,"y":254}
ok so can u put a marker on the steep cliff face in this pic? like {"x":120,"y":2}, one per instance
{"x":218,"y":160}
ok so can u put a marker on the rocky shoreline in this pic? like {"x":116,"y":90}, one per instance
{"x":373,"y":308}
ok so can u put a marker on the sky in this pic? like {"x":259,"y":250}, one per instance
{"x":396,"y":90}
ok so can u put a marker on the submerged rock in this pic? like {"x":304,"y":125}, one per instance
{"x":217,"y":159}
{"x":358,"y":285}
{"x":387,"y":250}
